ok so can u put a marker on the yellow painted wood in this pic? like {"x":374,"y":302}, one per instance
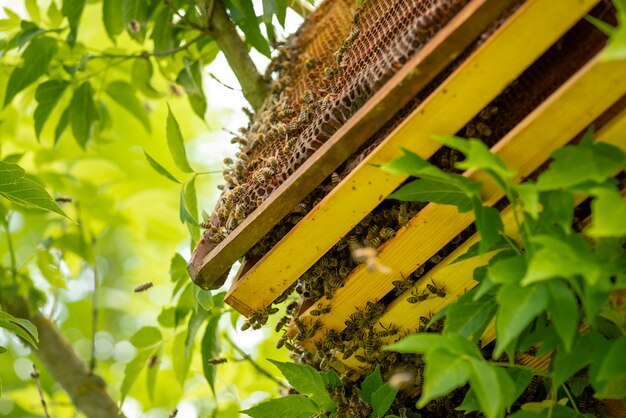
{"x":513,"y":47}
{"x":554,"y":123}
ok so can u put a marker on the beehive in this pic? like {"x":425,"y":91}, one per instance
{"x":349,"y":90}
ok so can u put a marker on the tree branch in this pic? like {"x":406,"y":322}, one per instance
{"x":223,"y":30}
{"x":87,"y":390}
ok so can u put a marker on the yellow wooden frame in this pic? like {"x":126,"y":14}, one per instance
{"x":533,"y":28}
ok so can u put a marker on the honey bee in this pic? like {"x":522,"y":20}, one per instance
{"x":143,"y":287}
{"x":320,"y":310}
{"x":326,"y":102}
{"x":242,"y":156}
{"x":483,"y":129}
{"x":387,"y":233}
{"x":436,"y":290}
{"x":281,"y":323}
{"x":152,"y":361}
{"x":375,"y":242}
{"x":343,"y":272}
{"x":388,"y":331}
{"x":316,"y":326}
{"x":309,"y":97}
{"x":217,"y":360}
{"x":348,"y":353}
{"x":245,"y":326}
{"x":311,"y":63}
{"x":228,"y":161}
{"x":402,"y":286}
{"x":329,"y":72}
{"x":370,"y":343}
{"x":353,"y":35}
{"x":173,"y":414}
{"x":360,"y":358}
{"x":281,"y":341}
{"x":435,"y":259}
{"x":415,"y":297}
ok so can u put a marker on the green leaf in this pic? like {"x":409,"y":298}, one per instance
{"x":113,"y":17}
{"x":36,"y":59}
{"x":292,"y":406}
{"x":566,"y":364}
{"x":136,"y":10}
{"x":518,"y":306}
{"x":511,"y":269}
{"x":2,"y":350}
{"x":21,"y":327}
{"x":152,"y":373}
{"x":204,"y":298}
{"x":331,"y":378}
{"x":307,"y":381}
{"x":33,"y":10}
{"x":563,"y":308}
{"x":417,"y":343}
{"x":371,"y":384}
{"x":478,"y":157}
{"x":178,"y":272}
{"x":54,"y":15}
{"x":50,"y":269}
{"x":141,"y":74}
{"x":609,"y":214}
{"x":73,"y":9}
{"x":28,"y":32}
{"x":131,"y":373}
{"x":211,"y":348}
{"x":382,"y":399}
{"x":468,"y":317}
{"x":16,"y":187}
{"x":190,"y":201}
{"x":146,"y":337}
{"x":124,"y":95}
{"x":47,"y":96}
{"x":489,"y":225}
{"x":159,"y":168}
{"x":242,"y":13}
{"x":442,"y":191}
{"x":484,"y":379}
{"x":83,"y":113}
{"x":162,"y":33}
{"x":181,"y":361}
{"x":176,"y":143}
{"x":576,"y":164}
{"x":565,"y":257}
{"x":197,"y":318}
{"x":615,"y":50}
{"x":444,"y":372}
{"x":610,"y":381}
{"x":62,"y":124}
{"x":190,"y":77}
{"x":413,"y":165}
{"x":528,"y":196}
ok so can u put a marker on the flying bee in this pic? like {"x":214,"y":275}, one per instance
{"x":281,"y":323}
{"x":416,"y":297}
{"x":316,"y":326}
{"x":220,"y":187}
{"x":436,"y":290}
{"x":143,"y":287}
{"x":387,"y":233}
{"x":217,"y":360}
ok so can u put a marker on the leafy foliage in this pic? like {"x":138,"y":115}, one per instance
{"x":545,"y":281}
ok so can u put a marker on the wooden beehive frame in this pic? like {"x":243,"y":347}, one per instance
{"x":510,"y":50}
{"x":530,"y":31}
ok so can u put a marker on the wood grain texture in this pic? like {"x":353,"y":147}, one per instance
{"x":209,"y":262}
{"x":518,"y":42}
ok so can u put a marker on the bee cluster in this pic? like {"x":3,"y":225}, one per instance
{"x":314,"y":92}
{"x":322,"y":75}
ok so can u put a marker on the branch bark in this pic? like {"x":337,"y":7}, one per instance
{"x":86,"y":389}
{"x":223,"y":30}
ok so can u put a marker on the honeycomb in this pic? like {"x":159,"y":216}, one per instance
{"x":322,"y":76}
